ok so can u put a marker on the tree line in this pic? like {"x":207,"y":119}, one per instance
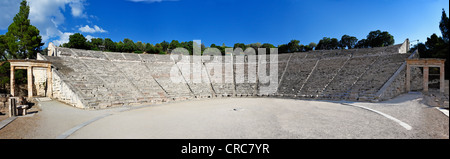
{"x":374,"y":39}
{"x":78,"y":41}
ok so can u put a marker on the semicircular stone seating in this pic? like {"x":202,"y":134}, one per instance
{"x":97,"y":80}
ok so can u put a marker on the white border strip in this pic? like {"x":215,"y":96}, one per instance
{"x":5,"y":122}
{"x":445,"y":111}
{"x":406,"y":126}
{"x":76,"y":128}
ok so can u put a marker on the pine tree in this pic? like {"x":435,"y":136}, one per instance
{"x":3,"y":48}
{"x":443,"y":25}
{"x":23,"y":39}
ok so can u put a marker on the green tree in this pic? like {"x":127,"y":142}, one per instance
{"x":188,"y":45}
{"x":328,"y":44}
{"x":423,"y":52}
{"x":324,"y":44}
{"x":255,"y":46}
{"x":110,"y":45}
{"x":306,"y":48}
{"x":203,"y":47}
{"x":3,"y":48}
{"x":77,"y":41}
{"x":437,"y":47}
{"x":363,"y":43}
{"x":267,"y":46}
{"x":334,"y":44}
{"x":312,"y":45}
{"x":174,"y":44}
{"x":283,"y":48}
{"x":95,"y":44}
{"x":23,"y":39}
{"x":240,"y":45}
{"x":294,"y":46}
{"x":164,"y":45}
{"x":159,"y":47}
{"x":434,"y":43}
{"x":221,"y":48}
{"x":119,"y":46}
{"x":4,"y":75}
{"x":150,"y":49}
{"x":443,"y":26}
{"x":128,"y":46}
{"x":380,"y":39}
{"x":348,"y":41}
{"x":140,"y":47}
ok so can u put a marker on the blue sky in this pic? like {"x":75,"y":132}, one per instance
{"x":229,"y":21}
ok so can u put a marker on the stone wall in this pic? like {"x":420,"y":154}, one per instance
{"x":64,"y":92}
{"x":396,"y":84}
{"x":395,"y":88}
{"x":39,"y":81}
{"x":446,"y":88}
{"x":405,"y":47}
{"x":416,"y":79}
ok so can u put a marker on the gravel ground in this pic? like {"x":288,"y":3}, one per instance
{"x":53,"y":119}
{"x":238,"y":118}
{"x":427,"y":122}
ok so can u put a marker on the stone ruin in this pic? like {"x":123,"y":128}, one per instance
{"x":97,"y":80}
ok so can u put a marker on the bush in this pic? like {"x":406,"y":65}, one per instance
{"x":4,"y":74}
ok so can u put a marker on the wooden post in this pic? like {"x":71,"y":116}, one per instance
{"x":12,"y":81}
{"x":30,"y":82}
{"x":425,"y":78}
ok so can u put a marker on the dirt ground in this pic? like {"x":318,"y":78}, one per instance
{"x":22,"y":127}
{"x":234,"y":118}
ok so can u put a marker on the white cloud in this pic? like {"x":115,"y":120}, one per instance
{"x":87,"y":29}
{"x":47,"y":16}
{"x":63,"y":38}
{"x":77,"y":8}
{"x":89,"y":37}
{"x":8,"y":9}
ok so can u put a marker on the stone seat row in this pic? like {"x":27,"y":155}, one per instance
{"x":112,"y":79}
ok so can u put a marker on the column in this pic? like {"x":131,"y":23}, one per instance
{"x":12,"y":107}
{"x":408,"y":78}
{"x":442,"y":78}
{"x":12,"y":81}
{"x":425,"y":78}
{"x":30,"y":82}
{"x":49,"y":82}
